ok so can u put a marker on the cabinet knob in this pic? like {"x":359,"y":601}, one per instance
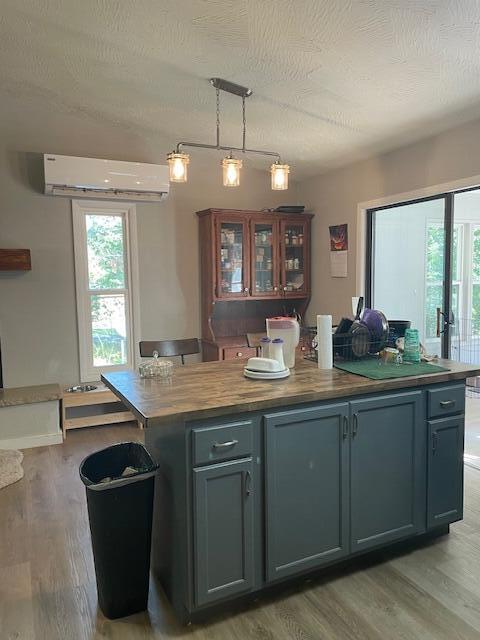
{"x":239,"y":354}
{"x":275,"y":288}
{"x":245,"y":290}
{"x":285,"y":289}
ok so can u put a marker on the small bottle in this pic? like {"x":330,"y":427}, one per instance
{"x":265,"y":347}
{"x":411,"y":350}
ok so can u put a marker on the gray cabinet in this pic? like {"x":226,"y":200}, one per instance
{"x":223,"y":530}
{"x":306,"y":499}
{"x":445,"y":471}
{"x":387,"y":481}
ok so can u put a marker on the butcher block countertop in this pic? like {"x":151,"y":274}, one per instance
{"x":213,"y":389}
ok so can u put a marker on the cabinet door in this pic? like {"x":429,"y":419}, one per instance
{"x":264,"y":270}
{"x":232,"y":256}
{"x":306,"y":488}
{"x":295,"y":258}
{"x":388,"y":494}
{"x":445,"y":471}
{"x":223,"y":530}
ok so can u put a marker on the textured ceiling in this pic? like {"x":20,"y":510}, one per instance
{"x":333,"y":80}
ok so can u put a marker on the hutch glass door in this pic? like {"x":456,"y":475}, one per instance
{"x":264,"y":258}
{"x":232,"y":276}
{"x":294,"y":257}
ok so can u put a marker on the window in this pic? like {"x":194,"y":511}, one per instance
{"x":106,"y":274}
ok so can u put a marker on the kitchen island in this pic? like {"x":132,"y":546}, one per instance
{"x":263,"y":481}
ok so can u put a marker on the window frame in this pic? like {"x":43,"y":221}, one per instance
{"x":80,"y":209}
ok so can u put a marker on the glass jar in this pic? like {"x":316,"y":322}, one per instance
{"x":156,"y":368}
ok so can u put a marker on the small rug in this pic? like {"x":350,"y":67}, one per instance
{"x":11,"y":469}
{"x":377,"y":370}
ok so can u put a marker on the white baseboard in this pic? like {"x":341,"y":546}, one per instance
{"x":28,"y":442}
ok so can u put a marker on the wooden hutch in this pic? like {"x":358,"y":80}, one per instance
{"x":254,"y":265}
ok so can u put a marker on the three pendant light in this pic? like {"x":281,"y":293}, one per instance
{"x":178,"y":161}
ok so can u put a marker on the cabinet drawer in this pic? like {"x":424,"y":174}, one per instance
{"x":446,"y":400}
{"x":214,"y":444}
{"x":239,"y":353}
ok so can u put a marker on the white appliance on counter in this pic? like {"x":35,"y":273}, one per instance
{"x":69,"y":176}
{"x":288,"y":330}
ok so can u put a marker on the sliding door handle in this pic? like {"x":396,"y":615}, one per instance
{"x":439,"y":314}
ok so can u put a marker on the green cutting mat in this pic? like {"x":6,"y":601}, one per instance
{"x":377,"y":370}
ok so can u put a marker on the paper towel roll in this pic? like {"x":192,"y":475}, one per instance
{"x":324,"y":341}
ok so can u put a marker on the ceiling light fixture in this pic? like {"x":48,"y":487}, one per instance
{"x":231,"y":171}
{"x":279,"y":176}
{"x":178,"y":161}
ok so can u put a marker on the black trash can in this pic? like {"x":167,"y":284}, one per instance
{"x":120,"y":513}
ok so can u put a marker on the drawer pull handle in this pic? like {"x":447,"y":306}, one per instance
{"x":225,"y":445}
{"x":434,"y":441}
{"x":345,"y":427}
{"x":447,"y":403}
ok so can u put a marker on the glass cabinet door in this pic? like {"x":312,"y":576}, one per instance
{"x":232,"y":261}
{"x":264,"y":258}
{"x":294,"y":258}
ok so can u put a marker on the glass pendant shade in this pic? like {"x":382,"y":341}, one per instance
{"x":178,"y":164}
{"x":231,"y":171}
{"x":279,"y":176}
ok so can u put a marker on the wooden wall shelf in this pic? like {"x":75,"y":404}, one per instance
{"x":15,"y":260}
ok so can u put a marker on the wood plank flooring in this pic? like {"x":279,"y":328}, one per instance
{"x":47,"y":581}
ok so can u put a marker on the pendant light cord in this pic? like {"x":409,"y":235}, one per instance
{"x":218,"y":118}
{"x":244,"y":124}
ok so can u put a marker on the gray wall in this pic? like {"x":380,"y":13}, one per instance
{"x":334,"y":196}
{"x":37,"y":309}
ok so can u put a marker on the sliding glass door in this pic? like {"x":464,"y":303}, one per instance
{"x":407,"y":267}
{"x":424,"y":266}
{"x":465,"y":339}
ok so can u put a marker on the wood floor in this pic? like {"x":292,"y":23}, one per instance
{"x":47,"y":582}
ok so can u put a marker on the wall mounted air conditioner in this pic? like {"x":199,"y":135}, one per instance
{"x":73,"y":177}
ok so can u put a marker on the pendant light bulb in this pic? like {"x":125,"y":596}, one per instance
{"x":231,"y":171}
{"x":178,"y":163}
{"x":279,"y":176}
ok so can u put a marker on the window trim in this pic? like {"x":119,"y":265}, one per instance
{"x":80,"y":208}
